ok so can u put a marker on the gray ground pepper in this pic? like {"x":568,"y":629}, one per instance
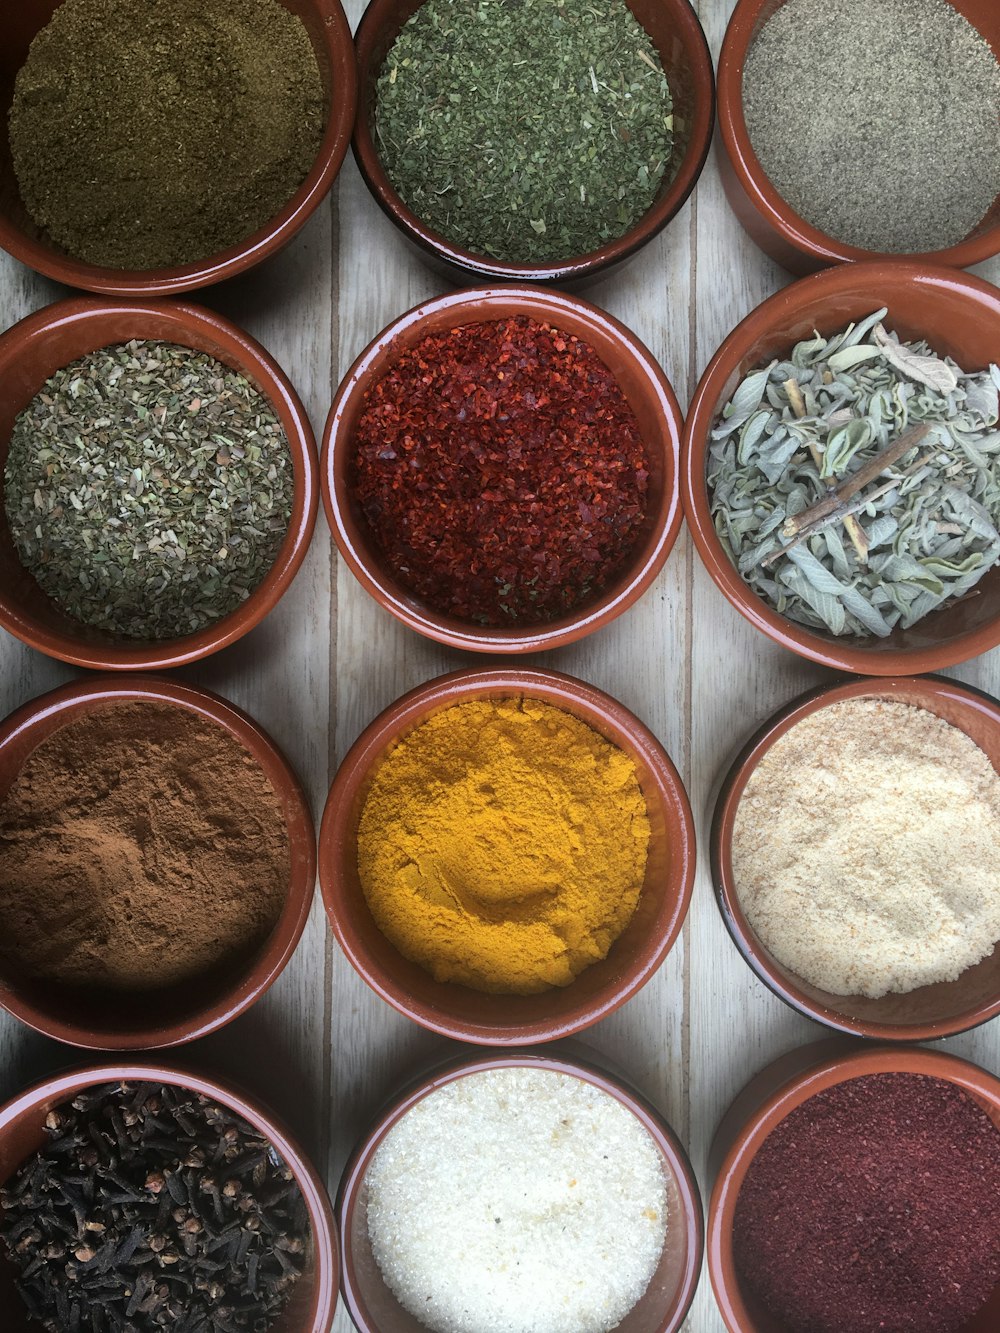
{"x":147,"y":135}
{"x":877,"y":120}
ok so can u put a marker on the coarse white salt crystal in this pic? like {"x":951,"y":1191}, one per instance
{"x":517,"y":1200}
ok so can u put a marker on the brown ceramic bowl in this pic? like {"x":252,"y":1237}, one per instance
{"x":182,"y":1012}
{"x":683,"y":50}
{"x":958,"y":315}
{"x":765,"y":216}
{"x":924,"y":1014}
{"x":312,"y":1306}
{"x":764,"y":1103}
{"x":458,"y":1011}
{"x":331,"y":39}
{"x":43,"y":343}
{"x":643,"y":383}
{"x":373,"y":1307}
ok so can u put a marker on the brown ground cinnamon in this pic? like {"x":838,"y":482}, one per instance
{"x":140,"y":846}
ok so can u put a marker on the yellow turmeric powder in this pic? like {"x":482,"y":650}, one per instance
{"x":503,"y":845}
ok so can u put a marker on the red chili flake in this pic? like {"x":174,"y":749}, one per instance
{"x":874,"y":1206}
{"x":502,"y":471}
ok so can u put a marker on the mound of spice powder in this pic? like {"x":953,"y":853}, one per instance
{"x":502,"y":471}
{"x":141,"y":846}
{"x":502,"y":845}
{"x":152,"y":1208}
{"x":874,"y":1205}
{"x":146,"y":135}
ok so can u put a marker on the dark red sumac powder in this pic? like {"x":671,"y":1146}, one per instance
{"x":874,"y":1206}
{"x":502,"y":472}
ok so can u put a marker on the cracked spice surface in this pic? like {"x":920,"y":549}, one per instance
{"x":503,"y":845}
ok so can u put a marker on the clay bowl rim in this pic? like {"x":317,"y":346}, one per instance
{"x":379,"y":16}
{"x":815,"y":246}
{"x":338,"y":840}
{"x":905,"y":689}
{"x":472,"y":305}
{"x":730,"y":356}
{"x":57,"y":1088}
{"x":792,"y":1091}
{"x":258,"y":976}
{"x":456,"y":1067}
{"x":259,"y":245}
{"x":188,"y":322}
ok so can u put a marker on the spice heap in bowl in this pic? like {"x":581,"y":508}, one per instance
{"x":546,"y":140}
{"x":519,"y":1192}
{"x":856,"y":485}
{"x":140,"y":1197}
{"x":840,"y":471}
{"x":156,"y":863}
{"x":499,"y":469}
{"x":506,"y":855}
{"x":859,"y":1191}
{"x":157,"y":483}
{"x":855,"y":850}
{"x":239,"y":116}
{"x":801,"y":86}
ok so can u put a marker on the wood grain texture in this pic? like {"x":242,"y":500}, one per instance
{"x":321,"y":1047}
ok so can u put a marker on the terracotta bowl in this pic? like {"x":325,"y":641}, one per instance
{"x":924,"y":1014}
{"x":373,"y":1307}
{"x":458,"y":1011}
{"x":182,"y":1012}
{"x":765,"y":216}
{"x":764,"y":1103}
{"x":678,"y":37}
{"x":312,"y":1306}
{"x":50,"y":339}
{"x":958,"y":315}
{"x":331,"y":39}
{"x":644,"y":385}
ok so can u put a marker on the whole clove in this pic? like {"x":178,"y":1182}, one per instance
{"x":152,"y":1207}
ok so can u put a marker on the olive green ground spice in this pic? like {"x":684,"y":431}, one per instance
{"x":532,"y":131}
{"x":148,"y":489}
{"x":153,"y":133}
{"x":877,"y":120}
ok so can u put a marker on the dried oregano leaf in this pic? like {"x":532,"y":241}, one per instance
{"x":148,"y":489}
{"x":930,"y":520}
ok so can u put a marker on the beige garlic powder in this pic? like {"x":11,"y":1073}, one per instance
{"x":866,"y":849}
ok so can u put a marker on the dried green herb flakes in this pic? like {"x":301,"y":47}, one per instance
{"x":531,"y":131}
{"x":148,"y":489}
{"x":930,"y":521}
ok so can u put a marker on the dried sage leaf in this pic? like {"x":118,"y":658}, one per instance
{"x":930,"y":520}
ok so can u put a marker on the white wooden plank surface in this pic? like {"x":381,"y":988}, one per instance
{"x":321,"y":1048}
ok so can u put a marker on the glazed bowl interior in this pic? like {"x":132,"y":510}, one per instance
{"x":643,"y":384}
{"x":959,"y":316}
{"x":130,"y":1020}
{"x":763,"y":1104}
{"x":662,"y":1308}
{"x":457,"y":1010}
{"x":330,"y":36}
{"x":676,"y":34}
{"x":770,"y":221}
{"x":923,"y":1014}
{"x":311,"y":1306}
{"x":43,"y":343}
